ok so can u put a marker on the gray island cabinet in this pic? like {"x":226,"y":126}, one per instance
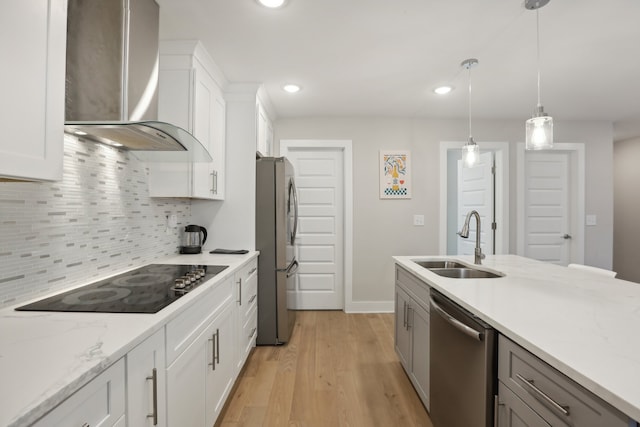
{"x":564,"y":356}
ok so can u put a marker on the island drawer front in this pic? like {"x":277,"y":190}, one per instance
{"x":185,"y":328}
{"x":540,"y":385}
{"x":418,"y":289}
{"x":512,"y":411}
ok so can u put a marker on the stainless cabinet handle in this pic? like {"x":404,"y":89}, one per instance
{"x":563,"y":409}
{"x":239,"y":282}
{"x":404,"y":315}
{"x":253,"y":332}
{"x":213,"y":351}
{"x":154,"y":381}
{"x":252,"y":298}
{"x":252,"y":271}
{"x":455,"y":322}
{"x":566,"y":236}
{"x":410,"y":310}
{"x":214,"y":182}
{"x":218,"y":346}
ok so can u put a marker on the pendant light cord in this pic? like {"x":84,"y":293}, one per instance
{"x":470,"y":133}
{"x":538,"y":51}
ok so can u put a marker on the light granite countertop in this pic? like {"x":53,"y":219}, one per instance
{"x":581,"y":323}
{"x":47,"y":356}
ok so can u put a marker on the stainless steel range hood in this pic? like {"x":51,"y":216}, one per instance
{"x":112,"y":81}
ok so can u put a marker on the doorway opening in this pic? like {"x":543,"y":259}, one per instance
{"x":487,"y":190}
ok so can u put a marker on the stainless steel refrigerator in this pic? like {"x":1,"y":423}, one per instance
{"x":276,"y":227}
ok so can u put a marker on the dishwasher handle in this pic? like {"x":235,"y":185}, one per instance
{"x":455,"y":322}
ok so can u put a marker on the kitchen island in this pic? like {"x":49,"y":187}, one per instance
{"x":45,"y":357}
{"x":582,"y":324}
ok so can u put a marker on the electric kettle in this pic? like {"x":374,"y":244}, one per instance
{"x":193,"y":238}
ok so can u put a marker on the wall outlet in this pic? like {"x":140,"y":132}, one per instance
{"x":591,"y":220}
{"x":172,"y":221}
{"x":418,"y":220}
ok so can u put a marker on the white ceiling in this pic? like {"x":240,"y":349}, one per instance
{"x":383,"y":58}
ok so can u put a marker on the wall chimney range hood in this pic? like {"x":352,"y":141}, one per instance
{"x":112,"y":81}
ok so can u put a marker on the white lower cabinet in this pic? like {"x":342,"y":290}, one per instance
{"x":412,"y":331}
{"x":101,"y":403}
{"x":146,"y":383}
{"x":200,"y":379}
{"x":246,"y":311}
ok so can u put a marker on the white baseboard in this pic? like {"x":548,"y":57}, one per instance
{"x":370,"y":307}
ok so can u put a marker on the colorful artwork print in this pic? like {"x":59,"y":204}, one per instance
{"x":395,"y":177}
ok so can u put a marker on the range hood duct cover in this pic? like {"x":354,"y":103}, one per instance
{"x":112,"y":81}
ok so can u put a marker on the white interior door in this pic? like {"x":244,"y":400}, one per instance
{"x":319,"y":178}
{"x":476,"y":190}
{"x":547,"y":219}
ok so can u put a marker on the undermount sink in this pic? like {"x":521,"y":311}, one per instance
{"x":465,"y":273}
{"x":457,"y":270}
{"x":440,"y":264}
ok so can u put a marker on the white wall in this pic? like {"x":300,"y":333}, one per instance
{"x":383,"y":228}
{"x":626,"y":232}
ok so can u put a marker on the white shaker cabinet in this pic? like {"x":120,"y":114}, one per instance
{"x":190,"y":97}
{"x":201,"y":358}
{"x":101,"y":402}
{"x":33,"y":46}
{"x":264,"y":143}
{"x":146,"y":384}
{"x":246,"y":311}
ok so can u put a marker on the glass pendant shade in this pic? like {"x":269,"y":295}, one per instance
{"x":470,"y":153}
{"x":539,"y":133}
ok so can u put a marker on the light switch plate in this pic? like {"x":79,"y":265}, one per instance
{"x":591,"y":220}
{"x":418,"y":220}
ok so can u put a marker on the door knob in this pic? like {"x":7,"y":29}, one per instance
{"x":566,"y":236}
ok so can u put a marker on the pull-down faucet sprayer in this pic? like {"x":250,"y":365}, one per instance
{"x":464,"y":233}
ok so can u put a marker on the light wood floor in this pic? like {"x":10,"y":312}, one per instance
{"x":338,"y":370}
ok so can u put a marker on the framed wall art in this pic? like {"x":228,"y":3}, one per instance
{"x":395,"y":174}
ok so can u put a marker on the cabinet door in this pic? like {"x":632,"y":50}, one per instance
{"x":221,"y":357}
{"x":186,"y":383}
{"x":218,"y":147}
{"x":403,"y":337}
{"x":203,"y":130}
{"x":513,"y":412}
{"x":419,"y":328}
{"x":146,"y":386}
{"x":246,"y":304}
{"x":33,"y":46}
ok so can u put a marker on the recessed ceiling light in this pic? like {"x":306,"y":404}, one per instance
{"x":443,"y":90}
{"x":79,"y":133}
{"x":272,"y":3}
{"x":291,"y":88}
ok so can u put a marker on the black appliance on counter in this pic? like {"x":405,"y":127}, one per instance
{"x":146,"y":289}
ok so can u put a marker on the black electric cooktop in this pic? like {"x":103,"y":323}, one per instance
{"x":147,"y":289}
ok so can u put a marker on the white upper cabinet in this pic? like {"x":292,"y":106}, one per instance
{"x":264,"y":143}
{"x":33,"y":46}
{"x":190,"y":97}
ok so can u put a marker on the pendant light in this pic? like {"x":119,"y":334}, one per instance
{"x":539,"y":128}
{"x":470,"y":150}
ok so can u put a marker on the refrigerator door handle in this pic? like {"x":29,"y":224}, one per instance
{"x":294,"y":192}
{"x":290,"y":269}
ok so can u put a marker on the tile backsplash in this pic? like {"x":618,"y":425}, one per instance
{"x":97,"y":221}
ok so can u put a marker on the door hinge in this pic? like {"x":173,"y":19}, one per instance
{"x":493,"y":169}
{"x":494,"y":226}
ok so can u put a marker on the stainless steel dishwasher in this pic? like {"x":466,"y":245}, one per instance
{"x":462,"y":368}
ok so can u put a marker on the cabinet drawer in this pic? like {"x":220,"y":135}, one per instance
{"x":99,"y":403}
{"x":550,"y":393}
{"x":247,"y":280}
{"x":419,"y":290}
{"x":182,"y":330}
{"x":249,"y":333}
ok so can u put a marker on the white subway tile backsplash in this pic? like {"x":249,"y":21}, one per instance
{"x":97,"y":221}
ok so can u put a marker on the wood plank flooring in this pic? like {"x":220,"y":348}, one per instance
{"x":338,"y":370}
